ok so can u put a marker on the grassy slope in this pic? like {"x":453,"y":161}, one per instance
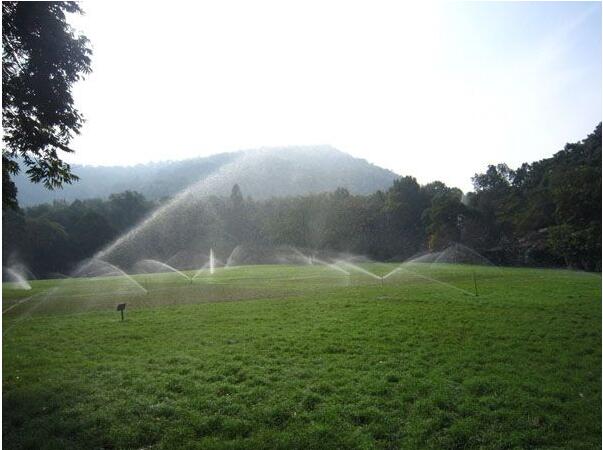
{"x":412,"y":364}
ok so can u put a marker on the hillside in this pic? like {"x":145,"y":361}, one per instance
{"x":280,"y":171}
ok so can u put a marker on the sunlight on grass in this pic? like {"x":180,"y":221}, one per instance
{"x":316,"y":360}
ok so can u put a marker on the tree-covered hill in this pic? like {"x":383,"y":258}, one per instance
{"x":547,"y":213}
{"x":279,"y":171}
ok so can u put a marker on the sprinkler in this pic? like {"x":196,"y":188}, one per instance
{"x":121,"y":308}
{"x":475,"y":284}
{"x":382,"y":281}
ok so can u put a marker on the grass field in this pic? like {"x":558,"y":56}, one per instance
{"x":306,"y":357}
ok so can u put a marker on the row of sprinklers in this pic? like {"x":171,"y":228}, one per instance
{"x":343,"y":265}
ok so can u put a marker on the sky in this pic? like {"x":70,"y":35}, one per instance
{"x":433,"y":90}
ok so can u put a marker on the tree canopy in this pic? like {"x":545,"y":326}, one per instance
{"x":42,"y":57}
{"x":547,"y":213}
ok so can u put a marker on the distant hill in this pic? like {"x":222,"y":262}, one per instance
{"x":278,"y":172}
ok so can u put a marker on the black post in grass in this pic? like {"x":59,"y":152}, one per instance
{"x":475,"y":284}
{"x":121,"y":307}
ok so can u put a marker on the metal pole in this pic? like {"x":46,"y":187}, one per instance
{"x":475,"y":284}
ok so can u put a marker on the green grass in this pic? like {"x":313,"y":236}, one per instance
{"x":311,"y":359}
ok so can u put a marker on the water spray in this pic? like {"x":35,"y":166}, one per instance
{"x":17,"y":278}
{"x":154,"y":266}
{"x":211,"y":261}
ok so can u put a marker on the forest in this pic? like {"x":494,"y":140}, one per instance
{"x":547,"y":213}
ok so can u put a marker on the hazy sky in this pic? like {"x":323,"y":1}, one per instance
{"x":436,"y":91}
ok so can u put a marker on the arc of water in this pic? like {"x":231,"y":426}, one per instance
{"x":115,"y":270}
{"x":389,"y":274}
{"x":18,"y":279}
{"x":200,"y":271}
{"x":435,"y":280}
{"x":479,"y":259}
{"x":204,"y":187}
{"x":359,"y":269}
{"x":229,"y":260}
{"x":424,"y":257}
{"x":45,"y":296}
{"x":306,"y":258}
{"x":163,"y":265}
{"x":211,"y":261}
{"x":22,"y":270}
{"x":20,"y":302}
{"x":332,"y":266}
{"x":210,"y":265}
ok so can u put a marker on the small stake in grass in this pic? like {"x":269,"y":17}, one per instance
{"x":121,"y":308}
{"x":475,"y":284}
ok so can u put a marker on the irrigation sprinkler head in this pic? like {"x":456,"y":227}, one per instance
{"x":121,"y":308}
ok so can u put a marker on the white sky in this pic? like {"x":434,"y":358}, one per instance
{"x":436,"y":91}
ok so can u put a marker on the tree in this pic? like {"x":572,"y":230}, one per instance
{"x":236,"y":223}
{"x":443,"y":220}
{"x":89,"y":233}
{"x":42,"y":58}
{"x":404,"y":206}
{"x":575,"y":185}
{"x":47,"y":246}
{"x":13,"y":233}
{"x":496,"y":177}
{"x":126,"y":208}
{"x":236,"y":196}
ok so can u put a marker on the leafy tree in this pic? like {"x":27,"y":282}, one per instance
{"x":13,"y":233}
{"x":89,"y":233}
{"x":575,"y":181}
{"x":237,"y":223}
{"x":287,"y":222}
{"x":42,"y":57}
{"x":550,"y":208}
{"x":47,"y":246}
{"x":497,"y":177}
{"x":126,"y":208}
{"x":404,"y":206}
{"x":236,"y":197}
{"x":444,"y":219}
{"x":341,"y":221}
{"x":341,"y":194}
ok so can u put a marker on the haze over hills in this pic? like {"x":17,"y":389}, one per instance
{"x":279,"y":171}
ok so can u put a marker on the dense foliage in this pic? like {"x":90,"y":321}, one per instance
{"x":547,"y":213}
{"x":42,"y":57}
{"x":51,"y":238}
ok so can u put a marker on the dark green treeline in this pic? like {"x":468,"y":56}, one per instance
{"x":547,"y":213}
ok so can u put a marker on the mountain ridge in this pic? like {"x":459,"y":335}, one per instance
{"x":281,"y":171}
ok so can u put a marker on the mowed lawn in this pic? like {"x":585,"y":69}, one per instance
{"x":308,"y":362}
